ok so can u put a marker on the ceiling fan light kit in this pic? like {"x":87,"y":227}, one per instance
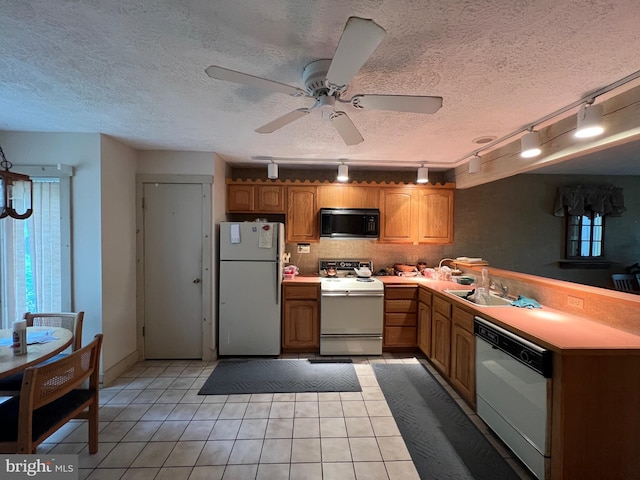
{"x":326,"y":80}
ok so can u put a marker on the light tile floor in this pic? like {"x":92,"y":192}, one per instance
{"x":155,"y":426}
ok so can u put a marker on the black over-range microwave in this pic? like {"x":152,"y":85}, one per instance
{"x":349,"y":222}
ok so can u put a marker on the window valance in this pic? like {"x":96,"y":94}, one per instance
{"x":578,"y":199}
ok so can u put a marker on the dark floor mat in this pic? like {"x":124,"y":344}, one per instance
{"x":443,"y":443}
{"x":280,"y":376}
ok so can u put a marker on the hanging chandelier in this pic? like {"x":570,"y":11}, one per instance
{"x":16,"y":194}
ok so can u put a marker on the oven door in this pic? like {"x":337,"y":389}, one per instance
{"x":355,"y":313}
{"x":351,"y":324}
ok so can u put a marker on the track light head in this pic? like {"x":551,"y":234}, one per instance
{"x":272,"y":171}
{"x":423,"y":174}
{"x":589,"y":122}
{"x":474,"y":164}
{"x":530,"y":143}
{"x":343,"y":173}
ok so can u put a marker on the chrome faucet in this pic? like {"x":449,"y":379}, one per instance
{"x":500,"y":289}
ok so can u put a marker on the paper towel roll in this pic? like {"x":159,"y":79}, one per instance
{"x":20,"y":337}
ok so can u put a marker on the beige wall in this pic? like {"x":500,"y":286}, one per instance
{"x":118,"y":227}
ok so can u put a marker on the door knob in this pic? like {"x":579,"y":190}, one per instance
{"x":197,"y":280}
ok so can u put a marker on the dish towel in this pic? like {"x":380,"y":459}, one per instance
{"x":525,"y":302}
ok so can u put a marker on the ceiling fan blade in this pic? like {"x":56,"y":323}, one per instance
{"x":283,"y":120}
{"x":220,"y":73}
{"x":358,"y":41}
{"x":398,"y":103}
{"x":346,"y":128}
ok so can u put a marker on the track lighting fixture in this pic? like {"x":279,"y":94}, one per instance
{"x":423,"y":174}
{"x":474,"y":164}
{"x":343,"y":173}
{"x":589,"y":121}
{"x":272,"y":170}
{"x":530,"y":143}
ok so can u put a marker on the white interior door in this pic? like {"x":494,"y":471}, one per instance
{"x":173,"y":246}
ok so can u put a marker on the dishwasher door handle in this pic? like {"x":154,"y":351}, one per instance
{"x":352,"y":294}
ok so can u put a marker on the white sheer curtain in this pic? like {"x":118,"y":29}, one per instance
{"x":31,"y":256}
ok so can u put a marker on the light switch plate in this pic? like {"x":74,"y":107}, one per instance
{"x":304,"y":248}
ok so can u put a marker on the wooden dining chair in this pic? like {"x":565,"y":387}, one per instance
{"x":50,"y":396}
{"x":70,"y":320}
{"x":625,"y":282}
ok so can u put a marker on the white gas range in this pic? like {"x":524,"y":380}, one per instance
{"x":351,"y":310}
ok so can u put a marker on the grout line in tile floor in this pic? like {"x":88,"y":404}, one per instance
{"x":155,"y":426}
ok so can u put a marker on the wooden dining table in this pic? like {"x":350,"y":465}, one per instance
{"x":36,"y":353}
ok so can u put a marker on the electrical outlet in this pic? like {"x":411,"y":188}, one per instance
{"x":304,"y":248}
{"x":575,"y":302}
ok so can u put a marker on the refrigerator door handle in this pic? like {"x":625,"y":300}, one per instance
{"x":278,"y":281}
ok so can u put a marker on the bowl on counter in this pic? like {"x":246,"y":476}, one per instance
{"x":401,"y":267}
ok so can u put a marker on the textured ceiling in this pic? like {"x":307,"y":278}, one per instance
{"x":134,"y":70}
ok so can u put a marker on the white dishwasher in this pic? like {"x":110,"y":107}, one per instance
{"x":513,"y":391}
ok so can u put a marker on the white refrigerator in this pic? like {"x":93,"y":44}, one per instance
{"x":250,"y":288}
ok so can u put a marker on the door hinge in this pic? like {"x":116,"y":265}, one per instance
{"x":143,"y":331}
{"x":143,"y":202}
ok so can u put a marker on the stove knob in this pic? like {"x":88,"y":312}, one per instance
{"x":524,"y":356}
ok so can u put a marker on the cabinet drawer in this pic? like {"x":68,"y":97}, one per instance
{"x":424,"y":296}
{"x":401,"y":306}
{"x":442,"y":307}
{"x":400,"y":319}
{"x":409,"y":292}
{"x":400,"y":336}
{"x":463,"y":318}
{"x":298,"y":292}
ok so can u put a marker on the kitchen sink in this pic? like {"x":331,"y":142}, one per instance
{"x":494,"y":299}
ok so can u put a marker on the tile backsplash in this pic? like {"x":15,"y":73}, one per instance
{"x":383,"y":255}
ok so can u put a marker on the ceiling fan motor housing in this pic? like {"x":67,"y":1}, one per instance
{"x":313,"y":77}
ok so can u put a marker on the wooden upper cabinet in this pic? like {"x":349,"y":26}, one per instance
{"x":396,"y":216}
{"x":435,"y":214}
{"x":302,"y":214}
{"x":240,"y":198}
{"x":255,"y":198}
{"x":270,"y":198}
{"x":409,"y":214}
{"x":416,"y":215}
{"x":347,"y":196}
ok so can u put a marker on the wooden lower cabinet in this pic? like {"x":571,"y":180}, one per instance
{"x":300,"y":318}
{"x":441,"y":335}
{"x":400,"y":316}
{"x":441,"y":342}
{"x":463,"y":355}
{"x":424,"y":321}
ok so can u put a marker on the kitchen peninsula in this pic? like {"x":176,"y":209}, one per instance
{"x":593,"y":423}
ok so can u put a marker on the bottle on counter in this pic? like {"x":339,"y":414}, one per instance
{"x":481,"y":296}
{"x":20,"y":337}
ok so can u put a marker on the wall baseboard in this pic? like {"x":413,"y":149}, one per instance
{"x":119,"y":368}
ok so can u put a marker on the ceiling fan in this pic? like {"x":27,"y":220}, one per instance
{"x":327,"y":80}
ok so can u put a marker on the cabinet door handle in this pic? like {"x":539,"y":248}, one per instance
{"x":197,"y":280}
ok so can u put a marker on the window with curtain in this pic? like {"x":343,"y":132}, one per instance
{"x":585,"y":207}
{"x":34,"y":254}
